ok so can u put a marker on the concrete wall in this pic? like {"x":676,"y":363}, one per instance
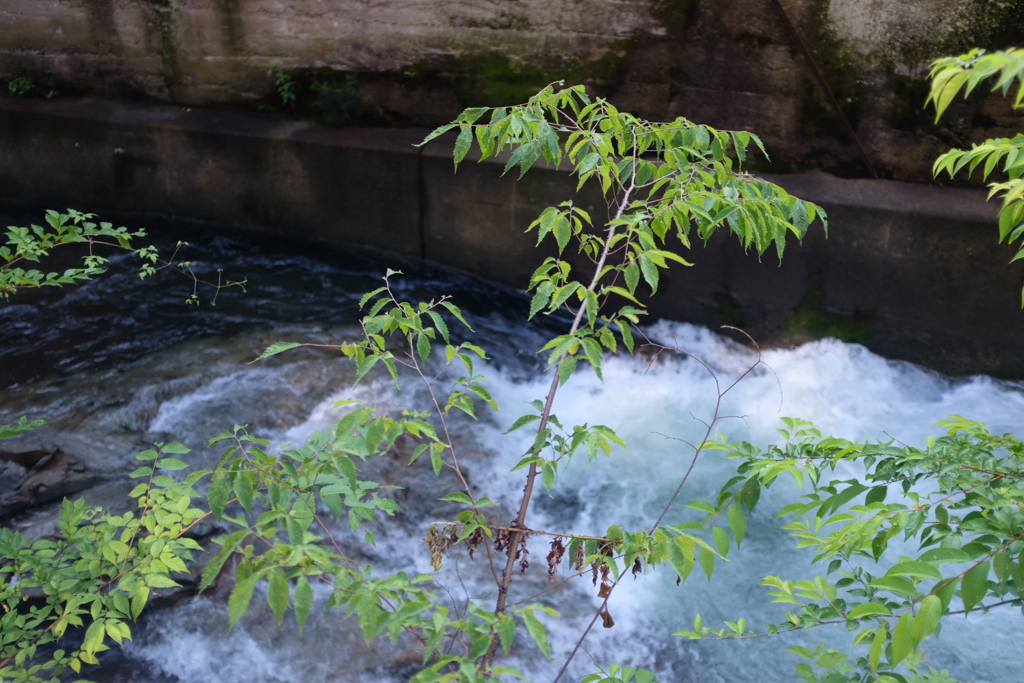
{"x":729,"y":63}
{"x":914,"y":270}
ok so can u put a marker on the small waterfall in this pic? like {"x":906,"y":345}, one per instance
{"x":156,"y":372}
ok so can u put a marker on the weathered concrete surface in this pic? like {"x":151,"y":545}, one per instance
{"x":729,"y":63}
{"x":355,"y":186}
{"x":219,"y":50}
{"x":916,"y":268}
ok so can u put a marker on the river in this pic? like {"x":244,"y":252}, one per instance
{"x":117,"y":364}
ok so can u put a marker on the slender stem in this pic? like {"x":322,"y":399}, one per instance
{"x":531,"y":476}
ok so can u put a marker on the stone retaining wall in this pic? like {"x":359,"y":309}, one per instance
{"x":727,"y":63}
{"x":911,"y":270}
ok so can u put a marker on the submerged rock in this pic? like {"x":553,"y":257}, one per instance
{"x":30,"y":478}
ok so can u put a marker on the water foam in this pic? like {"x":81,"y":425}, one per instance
{"x":656,"y":404}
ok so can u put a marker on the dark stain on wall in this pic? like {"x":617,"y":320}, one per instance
{"x":230,"y":19}
{"x":102,"y":27}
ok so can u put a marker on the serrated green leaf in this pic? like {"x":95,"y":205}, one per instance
{"x":868,"y":609}
{"x":877,"y":648}
{"x":650,"y":272}
{"x":244,"y":491}
{"x":897,"y":584}
{"x":171,"y":464}
{"x":458,"y":497}
{"x":214,"y":566}
{"x":721,"y":538}
{"x":538,"y":632}
{"x":737,"y":523}
{"x":278,"y":594}
{"x":506,"y":631}
{"x":274,"y":349}
{"x":303,"y":601}
{"x":921,"y":570}
{"x":423,"y":346}
{"x":566,"y":368}
{"x":94,"y":636}
{"x":927,"y":619}
{"x":522,"y":421}
{"x":1003,"y":565}
{"x":241,"y":596}
{"x":707,"y":561}
{"x":139,"y":598}
{"x":220,"y":492}
{"x":975,"y":585}
{"x":161,"y":581}
{"x":902,"y":640}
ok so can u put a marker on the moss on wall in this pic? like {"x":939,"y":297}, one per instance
{"x":496,"y":80}
{"x":677,"y":14}
{"x":811,"y":320}
{"x":843,"y":70}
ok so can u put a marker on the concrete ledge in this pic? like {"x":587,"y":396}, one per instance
{"x":916,"y":268}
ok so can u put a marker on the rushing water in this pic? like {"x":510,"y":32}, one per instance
{"x":117,"y":364}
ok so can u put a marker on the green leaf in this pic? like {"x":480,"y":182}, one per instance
{"x":454,"y":310}
{"x":877,"y":647}
{"x":868,"y":609}
{"x":566,"y":368}
{"x":801,"y":651}
{"x":172,"y":464}
{"x":632,"y":272}
{"x":220,"y":492}
{"x":943,"y":555}
{"x":921,"y":570}
{"x":436,"y":132}
{"x":140,"y":597}
{"x":650,"y":272}
{"x":94,"y":636}
{"x":896,"y":584}
{"x":276,"y":348}
{"x":241,"y":596}
{"x":975,"y":586}
{"x":244,"y":491}
{"x":538,"y":632}
{"x":927,"y":618}
{"x":738,"y":523}
{"x":945,"y":590}
{"x":436,"y":457}
{"x":1003,"y":566}
{"x":721,"y":539}
{"x":562,"y":231}
{"x":592,"y":350}
{"x":458,"y":497}
{"x":214,"y":566}
{"x":423,"y":346}
{"x":548,"y":474}
{"x":707,"y":561}
{"x":161,"y":581}
{"x":439,"y":325}
{"x":303,"y":601}
{"x":278,"y":594}
{"x":463,"y":143}
{"x":902,"y":640}
{"x":522,"y":422}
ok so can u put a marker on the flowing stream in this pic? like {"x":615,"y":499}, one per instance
{"x":117,"y":364}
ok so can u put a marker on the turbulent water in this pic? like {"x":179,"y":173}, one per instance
{"x":116,"y":365}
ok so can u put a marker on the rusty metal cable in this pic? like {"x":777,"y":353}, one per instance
{"x":824,"y":86}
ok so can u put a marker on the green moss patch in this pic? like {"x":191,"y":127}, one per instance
{"x":811,"y":320}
